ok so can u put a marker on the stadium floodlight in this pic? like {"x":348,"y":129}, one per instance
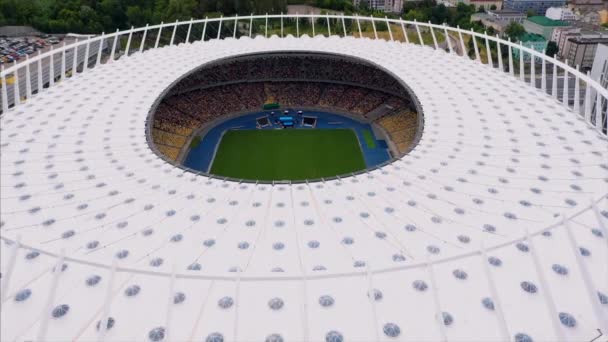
{"x":236,"y":21}
{"x":28,"y":77}
{"x":51,"y":70}
{"x":566,"y":89}
{"x":448,"y":40}
{"x":488,"y":51}
{"x":374,"y":26}
{"x":173,"y":33}
{"x":4,"y":91}
{"x":250,"y":25}
{"x":189,"y":30}
{"x":476,"y":48}
{"x":114,"y":43}
{"x":499,"y":54}
{"x":75,"y":58}
{"x":205,"y":29}
{"x":219,"y":29}
{"x":160,"y":31}
{"x":577,"y":94}
{"x":129,"y":41}
{"x":388,"y":26}
{"x":464,"y":50}
{"x":511,"y":67}
{"x":533,"y":70}
{"x":407,"y":39}
{"x":143,"y":39}
{"x":419,"y":34}
{"x":38,"y":73}
{"x":433,"y":35}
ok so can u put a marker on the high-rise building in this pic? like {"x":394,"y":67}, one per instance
{"x":394,"y":6}
{"x":581,"y":49}
{"x":539,"y":7}
{"x":599,"y":72}
{"x":543,"y":25}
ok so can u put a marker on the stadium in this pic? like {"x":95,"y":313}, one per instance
{"x":233,"y":185}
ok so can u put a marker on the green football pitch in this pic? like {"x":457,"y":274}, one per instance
{"x":287,"y":154}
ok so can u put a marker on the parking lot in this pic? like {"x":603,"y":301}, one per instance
{"x":16,"y":49}
{"x":25,"y":45}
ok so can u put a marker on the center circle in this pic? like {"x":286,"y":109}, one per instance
{"x":285,"y":116}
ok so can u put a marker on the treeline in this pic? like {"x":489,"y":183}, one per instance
{"x":429,"y":10}
{"x":94,"y":16}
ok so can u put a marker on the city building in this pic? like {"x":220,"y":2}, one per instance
{"x":560,"y":13}
{"x":395,"y":6}
{"x":599,"y":72}
{"x":533,"y":41}
{"x":588,"y":5}
{"x":507,"y":15}
{"x":539,"y":7}
{"x":485,"y":4}
{"x":542,"y":25}
{"x":373,"y":4}
{"x":603,"y":16}
{"x":498,"y":19}
{"x":581,"y":49}
{"x":488,"y":21}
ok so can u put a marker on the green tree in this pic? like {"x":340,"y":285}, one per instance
{"x":530,"y":13}
{"x":137,"y":16}
{"x":514,"y":31}
{"x":493,"y":8}
{"x":439,"y":14}
{"x":552,"y":49}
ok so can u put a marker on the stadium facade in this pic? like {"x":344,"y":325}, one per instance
{"x":492,"y":228}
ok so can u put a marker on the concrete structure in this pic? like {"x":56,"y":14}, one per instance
{"x":507,"y":15}
{"x":533,"y":41}
{"x":373,"y":4}
{"x":493,"y":229}
{"x":542,"y":25}
{"x":560,"y":13}
{"x":498,"y":19}
{"x":581,"y":49}
{"x":389,"y":6}
{"x":393,"y":6}
{"x":603,"y":16}
{"x":538,"y":6}
{"x":588,"y":5}
{"x":599,"y":72}
{"x":307,"y":9}
{"x":486,"y":4}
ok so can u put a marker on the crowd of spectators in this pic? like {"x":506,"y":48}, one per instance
{"x":401,"y":126}
{"x":180,"y":114}
{"x":291,"y":67}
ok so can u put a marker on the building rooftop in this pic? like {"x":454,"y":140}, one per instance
{"x":531,"y":37}
{"x":544,"y":21}
{"x":583,"y":40}
{"x":506,"y":12}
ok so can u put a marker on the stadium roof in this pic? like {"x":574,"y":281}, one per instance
{"x":492,"y":228}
